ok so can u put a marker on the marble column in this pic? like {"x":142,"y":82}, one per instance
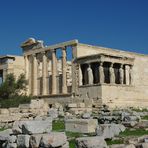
{"x":54,"y":72}
{"x":131,"y":74}
{"x":80,"y":76}
{"x":30,"y":67}
{"x":35,"y":88}
{"x":26,"y":58}
{"x":121,"y":73}
{"x":112,"y":74}
{"x":44,"y":73}
{"x":101,"y":73}
{"x":4,"y":74}
{"x":64,"y":70}
{"x":90,"y":75}
{"x":127,"y":74}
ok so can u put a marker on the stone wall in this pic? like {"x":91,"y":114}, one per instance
{"x":23,"y":112}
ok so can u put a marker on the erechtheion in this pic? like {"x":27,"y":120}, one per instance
{"x":108,"y":76}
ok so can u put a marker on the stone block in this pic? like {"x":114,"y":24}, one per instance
{"x":10,"y":145}
{"x":24,"y":106}
{"x":86,"y":116}
{"x":34,"y":141}
{"x":108,"y":131}
{"x":72,"y":105}
{"x":14,"y":110}
{"x":54,"y":139}
{"x":5,"y":135}
{"x":53,"y":113}
{"x":122,"y":146}
{"x":144,"y":145}
{"x":37,"y":104}
{"x":17,"y":127}
{"x":4,"y":111}
{"x":37,"y":126}
{"x":23,"y":141}
{"x":81,"y":105}
{"x":81,"y":125}
{"x":91,"y":142}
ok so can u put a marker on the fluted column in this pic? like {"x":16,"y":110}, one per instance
{"x":127,"y":74}
{"x":90,"y":75}
{"x":112,"y":74}
{"x":64,"y":69}
{"x":44,"y":73}
{"x":121,"y":72}
{"x":35,"y":88}
{"x":27,"y":71}
{"x":54,"y":72}
{"x":30,"y":80}
{"x":131,"y":74}
{"x":80,"y":76}
{"x":101,"y":73}
{"x":4,"y":74}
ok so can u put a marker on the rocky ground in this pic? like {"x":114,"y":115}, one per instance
{"x":76,"y":125}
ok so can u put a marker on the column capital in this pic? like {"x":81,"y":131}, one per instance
{"x":101,"y":63}
{"x":34,"y":55}
{"x":121,"y":65}
{"x":63,"y":48}
{"x":111,"y":64}
{"x":43,"y":52}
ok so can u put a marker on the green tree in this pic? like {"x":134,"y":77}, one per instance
{"x":12,"y":87}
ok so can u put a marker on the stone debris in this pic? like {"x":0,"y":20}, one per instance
{"x":91,"y":142}
{"x":81,"y":125}
{"x":122,"y":146}
{"x":54,"y":139}
{"x":35,"y":133}
{"x":108,"y":131}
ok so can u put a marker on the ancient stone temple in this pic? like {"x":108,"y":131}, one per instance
{"x":108,"y":76}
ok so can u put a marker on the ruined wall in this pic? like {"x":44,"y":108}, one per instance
{"x":121,"y":95}
{"x":16,"y":66}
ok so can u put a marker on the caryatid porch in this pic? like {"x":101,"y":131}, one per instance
{"x":105,"y":69}
{"x":36,"y":56}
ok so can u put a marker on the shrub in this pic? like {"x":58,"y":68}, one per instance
{"x":14,"y":101}
{"x":12,"y":87}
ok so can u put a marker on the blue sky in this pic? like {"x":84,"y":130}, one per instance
{"x":121,"y":24}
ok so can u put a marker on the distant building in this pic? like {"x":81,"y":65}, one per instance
{"x":11,"y":64}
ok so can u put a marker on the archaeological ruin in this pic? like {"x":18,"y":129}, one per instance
{"x":104,"y":75}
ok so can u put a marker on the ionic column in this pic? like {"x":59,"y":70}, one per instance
{"x":121,"y":73}
{"x":30,"y":80}
{"x":90,"y":75}
{"x":80,"y":76}
{"x":127,"y":74}
{"x":35,"y":88}
{"x":4,"y":74}
{"x":27,"y":71}
{"x":101,"y":73}
{"x":64,"y":69}
{"x":54,"y":72}
{"x":112,"y":73}
{"x":44,"y":73}
{"x":131,"y":74}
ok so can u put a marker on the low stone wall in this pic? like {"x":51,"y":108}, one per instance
{"x":23,"y":112}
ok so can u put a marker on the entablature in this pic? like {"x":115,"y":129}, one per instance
{"x":105,"y":58}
